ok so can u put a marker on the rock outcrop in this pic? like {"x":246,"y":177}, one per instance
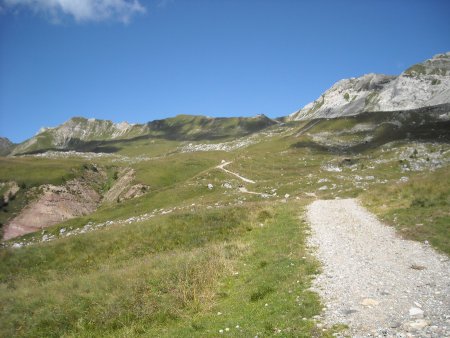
{"x":123,"y":187}
{"x":6,"y":146}
{"x":51,"y":204}
{"x":78,"y":131}
{"x":424,"y":84}
{"x":54,"y":205}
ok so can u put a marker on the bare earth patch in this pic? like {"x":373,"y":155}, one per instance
{"x":375,"y":282}
{"x":54,"y":205}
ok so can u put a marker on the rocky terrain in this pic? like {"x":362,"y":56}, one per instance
{"x":9,"y":190}
{"x":123,"y":187}
{"x":424,"y":84}
{"x":53,"y":204}
{"x":6,"y":146}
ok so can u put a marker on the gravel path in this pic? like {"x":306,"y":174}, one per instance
{"x":375,"y":282}
{"x":222,"y":166}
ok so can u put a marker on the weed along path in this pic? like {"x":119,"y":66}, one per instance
{"x":224,"y":164}
{"x":373,"y":281}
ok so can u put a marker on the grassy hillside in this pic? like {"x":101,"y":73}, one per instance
{"x":104,"y":136}
{"x":185,"y":260}
{"x":36,"y":171}
{"x":419,"y":209}
{"x":189,"y":274}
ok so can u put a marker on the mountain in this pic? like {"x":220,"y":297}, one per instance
{"x":5,"y":146}
{"x":423,"y":84}
{"x":75,"y":132}
{"x":191,"y":127}
{"x":87,"y":134}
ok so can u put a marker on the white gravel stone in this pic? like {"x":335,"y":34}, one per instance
{"x":415,"y":312}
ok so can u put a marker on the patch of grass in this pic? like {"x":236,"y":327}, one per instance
{"x":261,"y":293}
{"x":36,"y":171}
{"x":415,"y":70}
{"x":166,"y":277}
{"x":169,"y":171}
{"x":334,"y":125}
{"x":419,"y":208}
{"x":370,"y":100}
{"x":157,"y":271}
{"x":319,"y":103}
{"x":181,"y":230}
{"x":264,"y":299}
{"x":435,"y":82}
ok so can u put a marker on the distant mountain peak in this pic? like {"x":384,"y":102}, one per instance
{"x":423,"y":84}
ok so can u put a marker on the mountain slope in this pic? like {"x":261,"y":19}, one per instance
{"x":77,"y":131}
{"x":192,"y":127}
{"x":88,"y":134}
{"x":5,"y":146}
{"x":424,"y":84}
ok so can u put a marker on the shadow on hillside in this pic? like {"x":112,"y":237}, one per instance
{"x":202,"y":129}
{"x":424,"y":125}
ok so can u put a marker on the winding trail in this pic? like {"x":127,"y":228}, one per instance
{"x":372,"y":280}
{"x":224,"y":164}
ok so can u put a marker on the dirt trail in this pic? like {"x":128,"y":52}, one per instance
{"x":372,"y":280}
{"x":224,"y":164}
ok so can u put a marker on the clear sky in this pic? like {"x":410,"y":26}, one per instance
{"x":138,"y":60}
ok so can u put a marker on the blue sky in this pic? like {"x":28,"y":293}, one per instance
{"x":144,"y":60}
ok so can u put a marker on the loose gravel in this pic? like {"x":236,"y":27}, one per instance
{"x":372,"y":280}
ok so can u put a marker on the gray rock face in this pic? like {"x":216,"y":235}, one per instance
{"x":77,"y":130}
{"x":424,"y":84}
{"x":5,"y":146}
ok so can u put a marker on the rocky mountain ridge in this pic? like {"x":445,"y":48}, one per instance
{"x":76,"y":131}
{"x":85,"y":134}
{"x":421,"y":85}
